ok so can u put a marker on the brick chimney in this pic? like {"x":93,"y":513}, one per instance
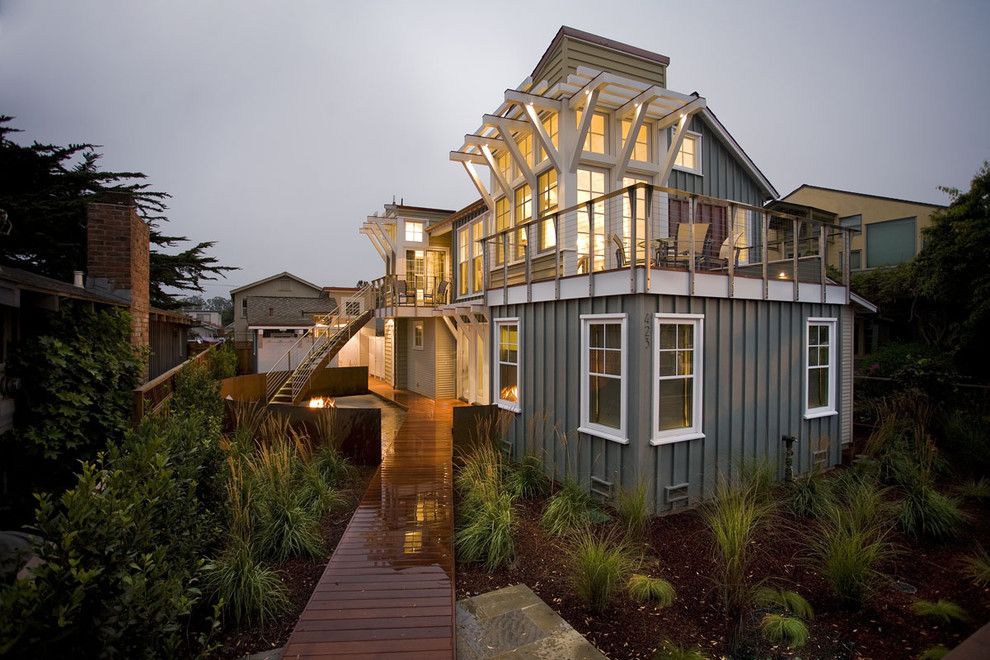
{"x":117,"y":256}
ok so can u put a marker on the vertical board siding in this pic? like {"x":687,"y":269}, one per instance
{"x":401,"y":341}
{"x":753,"y":393}
{"x":421,"y":363}
{"x":722,"y":175}
{"x":445,"y":360}
{"x":848,"y":323}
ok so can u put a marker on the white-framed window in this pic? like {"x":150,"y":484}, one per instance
{"x":689,"y":155}
{"x":418,"y":334}
{"x":595,"y":141}
{"x":819,"y":368}
{"x":678,"y":377}
{"x":603,"y":376}
{"x":507,"y":350}
{"x":463,"y":255}
{"x":414,"y":231}
{"x":641,"y":151}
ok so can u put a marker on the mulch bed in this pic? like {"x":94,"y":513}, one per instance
{"x":300,"y":575}
{"x":678,"y":550}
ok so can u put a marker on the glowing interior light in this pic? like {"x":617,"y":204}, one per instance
{"x":320,"y":402}
{"x":781,"y":275}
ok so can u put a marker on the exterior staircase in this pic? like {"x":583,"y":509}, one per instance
{"x":285,"y":382}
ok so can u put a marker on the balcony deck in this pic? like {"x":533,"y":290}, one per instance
{"x":388,"y":589}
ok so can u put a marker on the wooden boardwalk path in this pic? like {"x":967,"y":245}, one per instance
{"x":388,"y":589}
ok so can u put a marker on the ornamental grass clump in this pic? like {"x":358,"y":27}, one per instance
{"x":487,"y":513}
{"x":568,"y":510}
{"x":671,"y":651}
{"x":599,"y":564}
{"x":633,"y":511}
{"x":527,"y":478}
{"x":646,"y":589}
{"x":977,"y":567}
{"x":785,"y":616}
{"x":808,"y":493}
{"x":927,"y":513}
{"x":941,"y":610}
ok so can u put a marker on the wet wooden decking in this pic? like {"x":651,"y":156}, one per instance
{"x":388,"y":589}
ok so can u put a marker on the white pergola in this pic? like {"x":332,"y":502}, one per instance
{"x":585,"y":90}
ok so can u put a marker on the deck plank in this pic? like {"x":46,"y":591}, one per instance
{"x":388,"y":589}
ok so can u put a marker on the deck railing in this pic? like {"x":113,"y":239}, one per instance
{"x":425,"y":291}
{"x":153,"y":395}
{"x":669,"y":230}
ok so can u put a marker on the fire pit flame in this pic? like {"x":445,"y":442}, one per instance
{"x":321,"y":402}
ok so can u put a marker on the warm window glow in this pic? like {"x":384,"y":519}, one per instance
{"x":478,"y":234}
{"x":687,"y":157}
{"x":414,"y":231}
{"x":503,"y":161}
{"x":463,"y":236}
{"x":525,"y":143}
{"x":627,"y":213}
{"x":524,"y":213}
{"x":501,"y":224}
{"x":590,"y":185}
{"x":595,"y":140}
{"x":676,"y":374}
{"x":604,"y":374}
{"x":549,"y":121}
{"x":642,"y":149}
{"x":418,"y":331}
{"x":508,"y":362}
{"x":547,"y":200}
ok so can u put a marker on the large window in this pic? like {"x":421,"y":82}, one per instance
{"x":503,"y":161}
{"x":890,"y":242}
{"x":525,"y":143}
{"x":590,"y":253}
{"x":627,"y":219}
{"x":677,"y":377}
{"x":603,"y":379}
{"x":501,"y":224}
{"x":524,"y":213}
{"x":507,"y":363}
{"x":419,"y":331}
{"x":689,"y":156}
{"x":463,"y":238}
{"x":641,"y":151}
{"x":478,"y":235}
{"x":819,"y":376}
{"x":595,"y":140}
{"x":549,"y":121}
{"x":414,"y":231}
{"x":547,"y":200}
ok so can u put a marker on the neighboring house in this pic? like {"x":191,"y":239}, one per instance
{"x":887,"y":230}
{"x":277,"y":320}
{"x":208,"y":327}
{"x":621,"y":289}
{"x":117,"y":276}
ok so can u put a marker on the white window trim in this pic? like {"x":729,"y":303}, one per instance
{"x":830,"y":409}
{"x":406,"y":228}
{"x":619,"y":435}
{"x":512,"y":406}
{"x":422,"y":326}
{"x":697,"y":155}
{"x":695,"y":432}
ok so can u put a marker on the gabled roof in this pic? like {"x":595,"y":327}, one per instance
{"x":737,"y":150}
{"x":284,"y":273}
{"x":859,"y":194}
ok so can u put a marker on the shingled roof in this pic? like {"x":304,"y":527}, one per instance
{"x":285,"y":312}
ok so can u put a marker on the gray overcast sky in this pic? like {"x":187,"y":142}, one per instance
{"x":277,"y":126}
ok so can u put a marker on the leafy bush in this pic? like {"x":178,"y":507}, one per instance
{"x":599,"y":564}
{"x":197,"y":390}
{"x":222,"y":361}
{"x":528,"y":479}
{"x":848,"y":550}
{"x":927,"y":513}
{"x":670,"y":651}
{"x":643,"y":588}
{"x":569,"y":509}
{"x":633,"y":510}
{"x":122,"y":553}
{"x":943,"y":610}
{"x":783,"y":629}
{"x":977,"y":567}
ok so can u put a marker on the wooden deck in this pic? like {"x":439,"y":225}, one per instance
{"x":388,"y":590}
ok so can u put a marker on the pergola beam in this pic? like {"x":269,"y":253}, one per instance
{"x":535,"y":100}
{"x":630,"y":144}
{"x":541,"y":134}
{"x":465,"y":157}
{"x":476,"y":180}
{"x":503,"y":126}
{"x":642,"y":99}
{"x":512,"y":124}
{"x":588,"y":113}
{"x":672,"y":150}
{"x":499,"y":179}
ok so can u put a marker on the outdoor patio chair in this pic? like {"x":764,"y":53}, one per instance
{"x":620,"y":250}
{"x":401,"y":292}
{"x":680,"y":251}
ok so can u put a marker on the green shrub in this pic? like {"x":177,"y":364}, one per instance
{"x":670,"y":651}
{"x":122,"y":554}
{"x":222,"y":361}
{"x":599,"y":564}
{"x":197,"y":390}
{"x":974,"y":489}
{"x":527,"y":478}
{"x":943,"y":610}
{"x":977,"y":567}
{"x":848,"y":550}
{"x":936,"y":652}
{"x":633,"y":511}
{"x":783,"y":629}
{"x":758,"y":477}
{"x":808,"y":494}
{"x":486,"y":538}
{"x":569,"y":509}
{"x":927,"y":513}
{"x":643,"y":588}
{"x":734,"y":517}
{"x":249,"y":591}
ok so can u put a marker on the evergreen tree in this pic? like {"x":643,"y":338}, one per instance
{"x":44,"y":189}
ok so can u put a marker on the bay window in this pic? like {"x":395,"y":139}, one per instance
{"x":819,"y":374}
{"x":507,"y":363}
{"x":677,"y":377}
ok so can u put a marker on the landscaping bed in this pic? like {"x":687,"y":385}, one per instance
{"x":678,"y":549}
{"x":300,"y":575}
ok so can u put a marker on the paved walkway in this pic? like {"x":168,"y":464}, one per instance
{"x":388,"y":589}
